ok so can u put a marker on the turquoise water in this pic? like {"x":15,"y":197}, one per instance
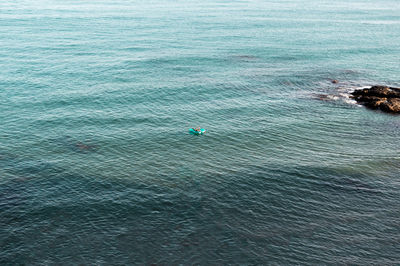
{"x":97,"y":166}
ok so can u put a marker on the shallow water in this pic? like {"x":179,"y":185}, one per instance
{"x":97,"y":166}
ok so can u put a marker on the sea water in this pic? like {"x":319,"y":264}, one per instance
{"x":97,"y":165}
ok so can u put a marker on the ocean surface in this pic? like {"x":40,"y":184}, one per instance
{"x":97,"y":166}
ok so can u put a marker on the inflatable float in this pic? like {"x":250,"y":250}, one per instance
{"x":194,"y":132}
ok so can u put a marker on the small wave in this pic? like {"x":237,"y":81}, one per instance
{"x":341,"y":94}
{"x":341,"y":97}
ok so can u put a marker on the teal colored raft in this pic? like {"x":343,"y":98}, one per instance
{"x":194,"y":132}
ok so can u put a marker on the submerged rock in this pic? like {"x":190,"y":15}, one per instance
{"x":323,"y":97}
{"x":84,"y":147}
{"x":384,"y":98}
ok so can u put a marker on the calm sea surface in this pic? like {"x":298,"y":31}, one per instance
{"x":97,"y":166}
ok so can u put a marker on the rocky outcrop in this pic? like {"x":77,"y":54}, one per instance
{"x":383,"y":98}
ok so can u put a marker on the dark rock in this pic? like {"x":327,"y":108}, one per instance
{"x":379,"y":91}
{"x":373,"y":102}
{"x":384,"y":98}
{"x":392,"y":105}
